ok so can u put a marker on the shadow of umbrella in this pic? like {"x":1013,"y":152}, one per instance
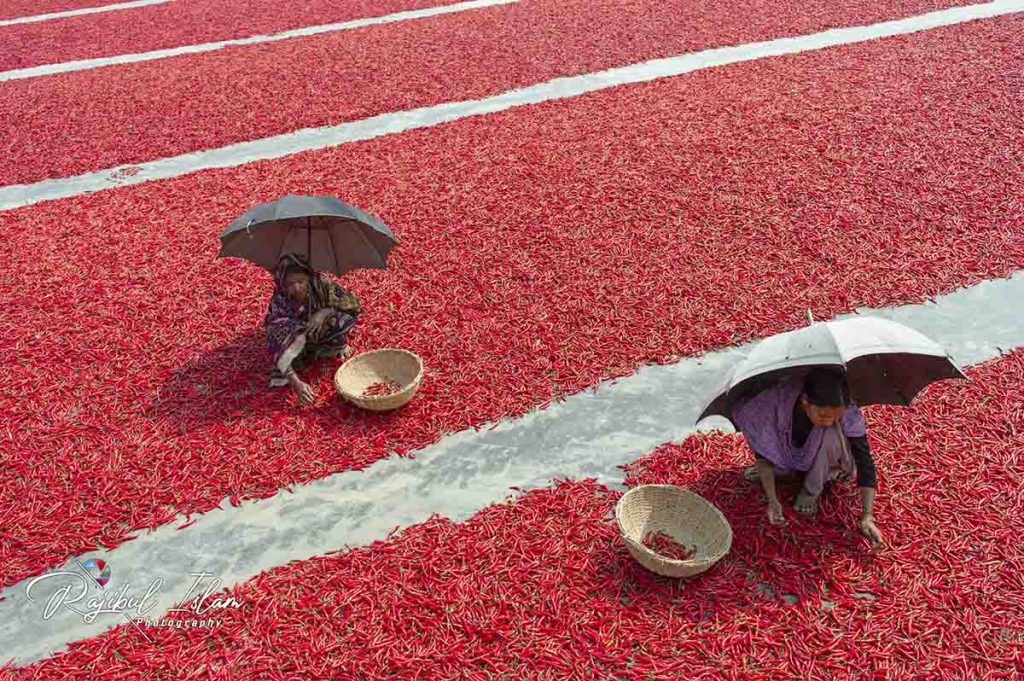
{"x":221,"y":383}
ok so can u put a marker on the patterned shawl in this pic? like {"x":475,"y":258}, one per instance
{"x":286,"y":319}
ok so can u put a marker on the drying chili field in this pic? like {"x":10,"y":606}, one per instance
{"x":546,"y":248}
{"x":542,"y":586}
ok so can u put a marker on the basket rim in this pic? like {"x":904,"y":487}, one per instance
{"x":371,"y":399}
{"x":673,"y":561}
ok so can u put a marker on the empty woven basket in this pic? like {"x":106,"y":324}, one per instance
{"x":688,"y":518}
{"x":379,"y":366}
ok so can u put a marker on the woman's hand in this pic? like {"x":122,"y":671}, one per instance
{"x":766,"y":472}
{"x":775,"y":516}
{"x":867,"y":519}
{"x":870,"y":530}
{"x":303,"y":390}
{"x":318,"y":319}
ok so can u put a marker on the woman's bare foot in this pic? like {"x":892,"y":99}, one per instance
{"x":343,"y":353}
{"x":805,"y":503}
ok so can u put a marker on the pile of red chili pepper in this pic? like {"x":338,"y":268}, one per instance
{"x":26,"y":8}
{"x":206,"y":99}
{"x":135,"y":388}
{"x":166,"y":25}
{"x":543,"y":586}
{"x":382,"y":388}
{"x":665,"y":545}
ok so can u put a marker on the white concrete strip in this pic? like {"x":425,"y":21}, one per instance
{"x":309,"y":139}
{"x":590,"y":434}
{"x":85,"y":64}
{"x":80,"y":12}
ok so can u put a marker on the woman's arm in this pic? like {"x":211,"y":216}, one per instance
{"x":284,"y":360}
{"x":861,"y":453}
{"x":867,"y":502}
{"x":766,"y":472}
{"x":867,"y":518}
{"x":867,"y":481}
{"x":303,"y":390}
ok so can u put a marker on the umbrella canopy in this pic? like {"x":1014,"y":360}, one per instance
{"x":885,"y":362}
{"x":336,"y":236}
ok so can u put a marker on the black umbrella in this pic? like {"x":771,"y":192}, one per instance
{"x":337,"y":237}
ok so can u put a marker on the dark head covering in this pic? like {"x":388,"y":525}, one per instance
{"x":290,"y":262}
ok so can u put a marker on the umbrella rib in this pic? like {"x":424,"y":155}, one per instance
{"x":282,"y":242}
{"x":334,"y":250}
{"x":838,"y":351}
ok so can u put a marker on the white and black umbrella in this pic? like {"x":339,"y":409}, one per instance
{"x":885,"y":362}
{"x":337,"y":237}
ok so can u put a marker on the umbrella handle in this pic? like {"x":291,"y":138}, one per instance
{"x":309,"y":255}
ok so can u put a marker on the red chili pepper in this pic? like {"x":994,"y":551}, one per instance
{"x":845,"y":186}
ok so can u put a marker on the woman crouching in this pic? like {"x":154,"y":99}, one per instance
{"x":809,"y":429}
{"x":309,"y":317}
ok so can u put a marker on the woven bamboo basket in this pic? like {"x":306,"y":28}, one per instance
{"x":685,"y":516}
{"x":377,"y":366}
